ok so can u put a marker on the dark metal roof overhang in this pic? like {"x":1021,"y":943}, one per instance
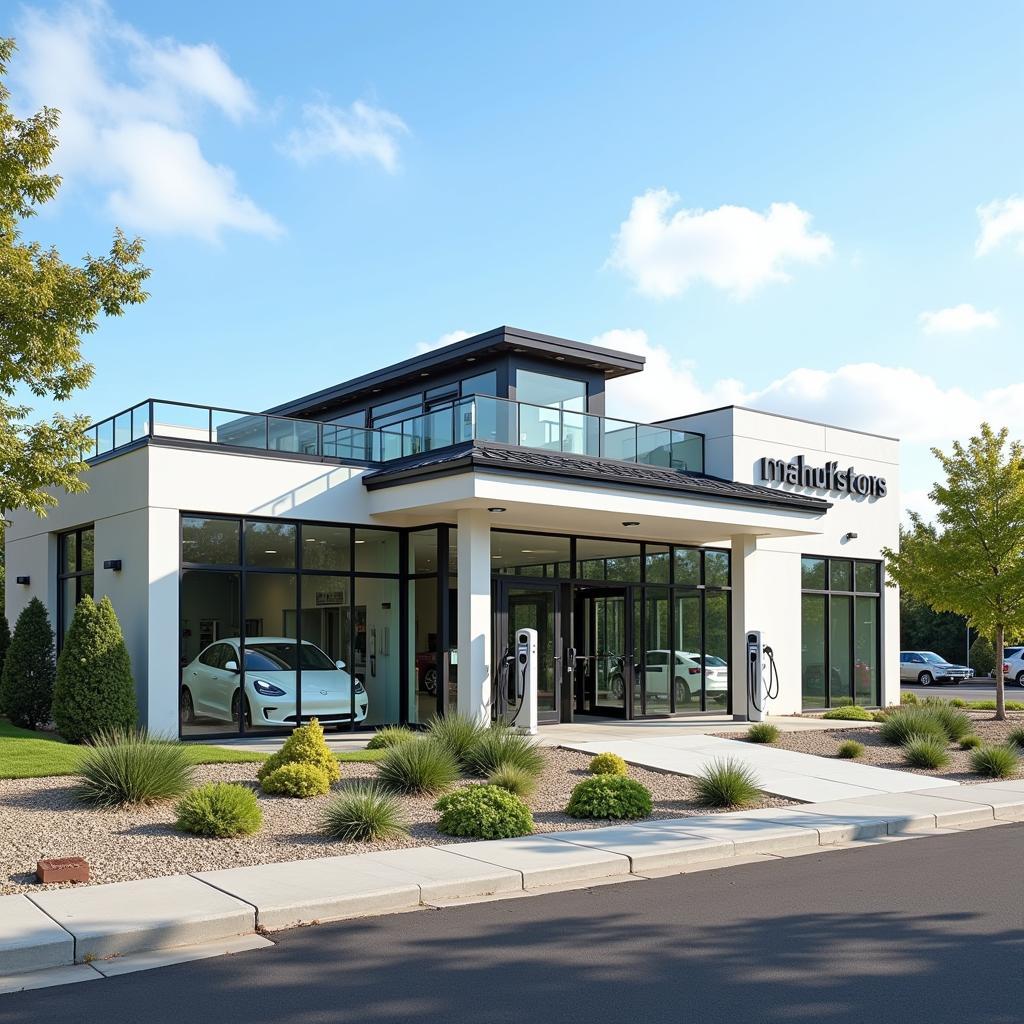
{"x":569,"y":468}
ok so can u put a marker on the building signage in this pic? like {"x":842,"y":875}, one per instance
{"x":824,"y":478}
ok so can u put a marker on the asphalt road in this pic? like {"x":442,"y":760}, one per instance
{"x":976,"y":689}
{"x":896,"y":932}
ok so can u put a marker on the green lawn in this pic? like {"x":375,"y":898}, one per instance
{"x":27,"y":755}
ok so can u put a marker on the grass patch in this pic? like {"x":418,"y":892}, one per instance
{"x":513,"y":778}
{"x":913,"y":720}
{"x":970,"y":741}
{"x":500,"y":748}
{"x":995,"y":762}
{"x":850,"y":749}
{"x":423,"y":766}
{"x":926,"y":752}
{"x":1016,"y":737}
{"x":727,"y":783}
{"x":364,"y":813}
{"x":762,"y":732}
{"x":849,"y":713}
{"x":123,"y":768}
{"x":363,"y":756}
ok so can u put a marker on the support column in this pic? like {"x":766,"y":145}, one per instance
{"x":474,"y":590}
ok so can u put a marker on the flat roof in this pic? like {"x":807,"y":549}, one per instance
{"x":778,"y":415}
{"x":418,"y":369}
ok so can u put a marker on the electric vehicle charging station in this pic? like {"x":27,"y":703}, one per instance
{"x":762,"y":678}
{"x":517,"y":686}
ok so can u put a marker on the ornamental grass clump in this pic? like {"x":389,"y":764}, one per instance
{"x":501,"y":747}
{"x":306,"y":745}
{"x":220,"y":810}
{"x":1016,"y":737}
{"x":995,"y":762}
{"x":849,"y":713}
{"x":299,"y":779}
{"x":364,"y":813}
{"x":608,"y":764}
{"x":850,"y":749}
{"x":609,"y":796}
{"x":727,"y":783}
{"x":459,"y":733}
{"x":124,"y":767}
{"x":926,"y":751}
{"x":390,"y":736}
{"x":905,"y":722}
{"x":424,"y":766}
{"x":483,"y":812}
{"x":954,"y":722}
{"x":970,"y":741}
{"x":762,"y":732}
{"x":513,"y":778}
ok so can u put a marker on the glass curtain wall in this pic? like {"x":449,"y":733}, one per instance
{"x":74,"y":577}
{"x":840,"y":615}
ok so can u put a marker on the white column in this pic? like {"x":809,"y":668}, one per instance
{"x":474,"y":590}
{"x":161,"y":668}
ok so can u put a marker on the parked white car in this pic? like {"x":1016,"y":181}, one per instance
{"x":686,"y":673}
{"x":212,"y":687}
{"x":1013,"y":664}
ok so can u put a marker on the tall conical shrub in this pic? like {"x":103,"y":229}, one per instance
{"x":5,"y":643}
{"x":94,"y":690}
{"x":26,"y":685}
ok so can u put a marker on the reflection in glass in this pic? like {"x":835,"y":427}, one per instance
{"x":657,"y":567}
{"x":270,"y":696}
{"x":716,"y":568}
{"x":423,"y":655}
{"x":210,"y":541}
{"x":546,"y":389}
{"x":530,"y":608}
{"x":658,"y":673}
{"x":865,"y":666}
{"x":608,"y":560}
{"x":867,"y":577}
{"x":270,"y":545}
{"x":686,"y":651}
{"x":840,"y":650}
{"x":377,"y":653}
{"x":812,"y":571}
{"x":687,"y":566}
{"x":841,"y":574}
{"x":327,"y":628}
{"x":528,"y":554}
{"x":716,"y":650}
{"x":423,"y":551}
{"x":812,"y":658}
{"x":376,"y":550}
{"x":326,"y":547}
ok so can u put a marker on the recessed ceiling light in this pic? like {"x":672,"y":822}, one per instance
{"x":470,"y":359}
{"x":424,"y":374}
{"x":270,"y":551}
{"x":311,"y":540}
{"x":360,"y":541}
{"x":496,"y":508}
{"x":630,"y":522}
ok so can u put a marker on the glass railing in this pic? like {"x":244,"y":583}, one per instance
{"x":477,"y":418}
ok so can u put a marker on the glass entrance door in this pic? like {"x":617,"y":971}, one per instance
{"x":533,"y":606}
{"x":603,"y":673}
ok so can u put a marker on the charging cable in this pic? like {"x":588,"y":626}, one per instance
{"x":771,"y":681}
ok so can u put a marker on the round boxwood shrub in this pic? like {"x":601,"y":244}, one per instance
{"x":849,"y":713}
{"x":423,"y":766}
{"x":609,"y":796}
{"x":903,"y":723}
{"x":501,"y":746}
{"x":850,"y":749}
{"x":763,"y":732}
{"x":122,"y":767}
{"x":296,"y":778}
{"x":459,"y":733}
{"x":970,"y":741}
{"x":926,"y":751}
{"x":26,"y":683}
{"x":513,"y":778}
{"x":364,"y":813}
{"x":390,"y":736}
{"x":908,"y":698}
{"x":995,"y":762}
{"x":94,"y":689}
{"x":306,"y":745}
{"x":726,"y":783}
{"x":220,"y":810}
{"x":608,"y":764}
{"x":483,"y":812}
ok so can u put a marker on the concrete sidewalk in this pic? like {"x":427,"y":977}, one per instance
{"x":62,"y":935}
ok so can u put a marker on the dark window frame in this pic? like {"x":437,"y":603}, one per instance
{"x":77,"y":574}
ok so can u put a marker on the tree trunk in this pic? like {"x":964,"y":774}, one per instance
{"x":1000,"y":692}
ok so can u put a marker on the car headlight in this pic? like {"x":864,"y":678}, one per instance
{"x":359,"y":688}
{"x":265,"y":689}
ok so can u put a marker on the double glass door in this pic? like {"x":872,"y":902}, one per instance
{"x":533,"y":606}
{"x":604,"y":669}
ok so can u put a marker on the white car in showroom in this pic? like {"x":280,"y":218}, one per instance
{"x":686,"y":673}
{"x":213,"y":687}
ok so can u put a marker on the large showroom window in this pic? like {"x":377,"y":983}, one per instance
{"x":840,"y":649}
{"x":284,"y":621}
{"x":74,"y":576}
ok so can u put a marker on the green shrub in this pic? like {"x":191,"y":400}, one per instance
{"x":995,"y":762}
{"x":970,"y":741}
{"x":513,"y":778}
{"x":26,"y":685}
{"x":727,"y":783}
{"x":903,"y":723}
{"x":608,"y":764}
{"x":1016,"y":737}
{"x":364,"y":813}
{"x":850,"y":749}
{"x":609,"y":796}
{"x":390,"y":736}
{"x":423,"y":766}
{"x":459,"y":733}
{"x":927,"y":751}
{"x":94,"y":691}
{"x":296,"y":778}
{"x":908,"y":698}
{"x":879,"y":715}
{"x":5,"y":642}
{"x":306,"y":745}
{"x":483,"y":812}
{"x":122,"y":767}
{"x":990,"y":705}
{"x":983,"y":656}
{"x":501,"y":746}
{"x":849,"y":713}
{"x":958,"y":702}
{"x":763,"y":732}
{"x":841,"y":702}
{"x":220,"y":810}
{"x":953,"y":721}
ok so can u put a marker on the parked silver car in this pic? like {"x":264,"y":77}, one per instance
{"x":1013,"y":664}
{"x":927,"y":667}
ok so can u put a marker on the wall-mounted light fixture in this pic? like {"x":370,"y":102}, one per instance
{"x":630,"y":522}
{"x":496,"y":508}
{"x":23,"y":580}
{"x":850,"y":536}
{"x":113,"y":563}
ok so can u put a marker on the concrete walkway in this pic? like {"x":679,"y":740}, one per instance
{"x":65,"y":935}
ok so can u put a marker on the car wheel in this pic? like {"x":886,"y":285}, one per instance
{"x":234,"y":709}
{"x":188,"y":711}
{"x":925,"y":679}
{"x":1020,"y":678}
{"x":617,"y":687}
{"x":683,"y":695}
{"x":429,"y":681}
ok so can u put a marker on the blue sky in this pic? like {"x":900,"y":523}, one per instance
{"x":812,"y":210}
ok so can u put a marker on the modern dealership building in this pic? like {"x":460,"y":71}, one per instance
{"x":366,"y":553}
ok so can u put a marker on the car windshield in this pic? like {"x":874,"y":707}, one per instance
{"x":280,"y":657}
{"x":932,"y":658}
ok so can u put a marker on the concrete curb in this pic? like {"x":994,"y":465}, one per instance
{"x":53,"y":930}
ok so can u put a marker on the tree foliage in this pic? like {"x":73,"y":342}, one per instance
{"x":26,"y":686}
{"x":971,"y":561}
{"x":924,"y":629}
{"x":46,"y":307}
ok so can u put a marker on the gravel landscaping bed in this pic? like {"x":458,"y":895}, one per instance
{"x":41,"y":818}
{"x":884,"y":755}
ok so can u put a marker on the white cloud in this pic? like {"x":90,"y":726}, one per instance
{"x":956,"y":319}
{"x":128,"y":106}
{"x":732,"y":247}
{"x":446,"y":339}
{"x":1000,"y":220}
{"x":362,"y":132}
